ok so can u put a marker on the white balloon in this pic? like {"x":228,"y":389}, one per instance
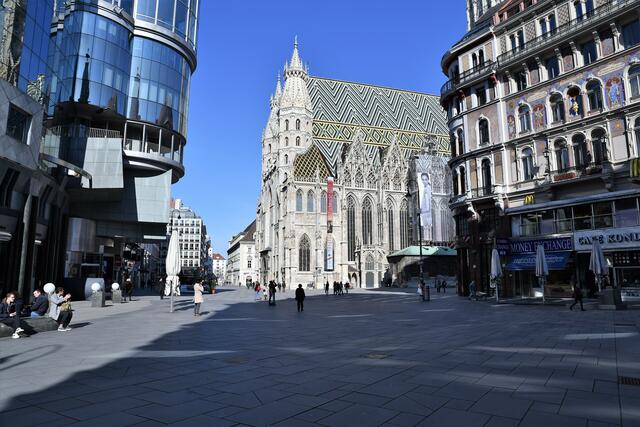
{"x":95,"y":287}
{"x":115,"y":286}
{"x":49,"y":288}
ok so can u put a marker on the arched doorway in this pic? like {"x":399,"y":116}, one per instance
{"x":353,"y":281}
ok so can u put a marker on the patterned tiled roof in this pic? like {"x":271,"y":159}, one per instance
{"x":342,"y":108}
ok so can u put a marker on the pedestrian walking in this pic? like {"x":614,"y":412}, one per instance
{"x":128,"y":289}
{"x":444,"y":286}
{"x":198,"y":289}
{"x":257,"y":290}
{"x":473,"y":289}
{"x":300,"y":298}
{"x":161,"y":286}
{"x":279,"y":286}
{"x":326,"y":288}
{"x":577,"y":297}
{"x":346,"y":288}
{"x":422,"y":290}
{"x":437,"y":285}
{"x":10,"y":309}
{"x":272,"y":293}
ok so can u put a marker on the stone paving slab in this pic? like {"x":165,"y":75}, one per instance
{"x":367,"y":358}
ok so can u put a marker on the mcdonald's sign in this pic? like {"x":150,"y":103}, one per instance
{"x":634,"y":168}
{"x":529,"y":199}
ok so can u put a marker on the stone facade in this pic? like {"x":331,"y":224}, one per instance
{"x":361,"y":141}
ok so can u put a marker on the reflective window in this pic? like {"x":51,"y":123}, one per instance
{"x":594,"y":94}
{"x":562,"y":155}
{"x":179,"y":16}
{"x":557,"y":107}
{"x":527,"y":164}
{"x":634,"y":80}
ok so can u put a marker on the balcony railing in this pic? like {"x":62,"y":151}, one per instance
{"x":485,"y":191}
{"x":466,"y":76}
{"x":574,"y":172}
{"x":551,"y":37}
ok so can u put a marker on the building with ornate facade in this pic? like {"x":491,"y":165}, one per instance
{"x":338,"y":159}
{"x":242,"y":260}
{"x":543,"y":102}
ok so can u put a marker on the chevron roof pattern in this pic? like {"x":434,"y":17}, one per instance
{"x":342,"y":108}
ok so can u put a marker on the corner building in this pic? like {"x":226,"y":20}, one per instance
{"x":118,"y":116}
{"x":337,"y":163}
{"x":543,"y":103}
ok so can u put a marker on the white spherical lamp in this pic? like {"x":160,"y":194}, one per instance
{"x":49,"y":288}
{"x":95,"y":287}
{"x":115,"y":286}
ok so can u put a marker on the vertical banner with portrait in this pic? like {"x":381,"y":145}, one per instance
{"x":424,"y":201}
{"x":329,"y":248}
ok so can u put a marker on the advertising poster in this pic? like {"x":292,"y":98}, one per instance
{"x":330,"y":205}
{"x":424,"y":197}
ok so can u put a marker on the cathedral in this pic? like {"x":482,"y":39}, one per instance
{"x":349,"y":170}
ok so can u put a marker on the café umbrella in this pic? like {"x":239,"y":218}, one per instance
{"x":598,"y":264}
{"x":173,"y":263}
{"x":542,"y":268}
{"x":496,"y":269}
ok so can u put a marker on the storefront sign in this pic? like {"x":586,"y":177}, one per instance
{"x":564,"y":176}
{"x":529,"y":199}
{"x":613,"y":238}
{"x":555,"y":261}
{"x":550,"y":245}
{"x":502,"y":245}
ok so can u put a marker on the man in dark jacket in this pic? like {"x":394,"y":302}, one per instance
{"x":40,"y":304}
{"x":300,"y":298}
{"x":272,"y":292}
{"x":10,"y":309}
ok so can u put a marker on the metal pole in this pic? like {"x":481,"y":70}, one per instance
{"x":171,"y":309}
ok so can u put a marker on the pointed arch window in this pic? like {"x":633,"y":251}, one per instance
{"x":594,"y":94}
{"x":481,"y":57}
{"x":370,"y":263}
{"x":286,"y":141}
{"x":634,"y":81}
{"x":299,"y":201}
{"x":359,"y":180}
{"x":367,"y":232}
{"x":483,"y":128}
{"x":599,"y":143}
{"x":311,"y":202}
{"x":454,"y":178}
{"x":562,"y":155}
{"x":297,"y":141}
{"x":390,"y":227}
{"x":557,"y":107}
{"x":323,"y":202}
{"x":286,"y":159}
{"x":380,"y":224}
{"x":335,"y":202}
{"x":286,"y":125}
{"x":524,"y":116}
{"x":304,"y":254}
{"x":297,"y":124}
{"x":404,"y":225}
{"x":351,"y":228}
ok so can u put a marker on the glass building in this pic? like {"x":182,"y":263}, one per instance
{"x":118,"y":111}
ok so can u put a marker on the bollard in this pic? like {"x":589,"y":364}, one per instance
{"x":116,"y":296}
{"x":98,"y":298}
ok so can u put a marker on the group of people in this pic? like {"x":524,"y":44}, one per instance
{"x":441,"y":285}
{"x":339,"y":288}
{"x":56,"y":305}
{"x":269,"y":293}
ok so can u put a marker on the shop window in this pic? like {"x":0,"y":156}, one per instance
{"x":547,"y":221}
{"x":564,"y":220}
{"x":487,"y":221}
{"x":602,"y":215}
{"x":582,"y":217}
{"x":529,"y":225}
{"x":626,"y":212}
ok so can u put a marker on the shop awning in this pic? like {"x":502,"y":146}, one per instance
{"x":555,"y":260}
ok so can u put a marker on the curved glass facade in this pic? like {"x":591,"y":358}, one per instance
{"x":95,"y":62}
{"x":178,"y":16}
{"x":159,"y":86}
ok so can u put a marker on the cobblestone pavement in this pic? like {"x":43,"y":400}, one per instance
{"x":364,"y":359}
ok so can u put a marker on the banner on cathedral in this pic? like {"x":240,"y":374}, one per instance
{"x":328,"y":266}
{"x":330,"y":207}
{"x":424,"y":197}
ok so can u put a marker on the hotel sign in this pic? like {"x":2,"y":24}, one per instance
{"x":613,"y":238}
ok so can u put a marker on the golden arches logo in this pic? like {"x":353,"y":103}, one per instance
{"x":529,"y":199}
{"x":634,"y":168}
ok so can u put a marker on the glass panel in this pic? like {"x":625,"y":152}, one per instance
{"x":603,"y":217}
{"x":582,"y":217}
{"x":626,"y":213}
{"x":146,"y":9}
{"x":181,"y":18}
{"x":165,"y":13}
{"x":564,"y":220}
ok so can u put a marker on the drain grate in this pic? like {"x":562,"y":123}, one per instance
{"x":629,"y":380}
{"x":377,"y":356}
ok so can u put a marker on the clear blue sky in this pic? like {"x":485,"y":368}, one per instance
{"x":243,"y":45}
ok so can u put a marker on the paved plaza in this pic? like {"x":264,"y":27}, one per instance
{"x":364,"y":359}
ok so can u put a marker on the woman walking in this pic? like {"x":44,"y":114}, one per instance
{"x":198,"y":289}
